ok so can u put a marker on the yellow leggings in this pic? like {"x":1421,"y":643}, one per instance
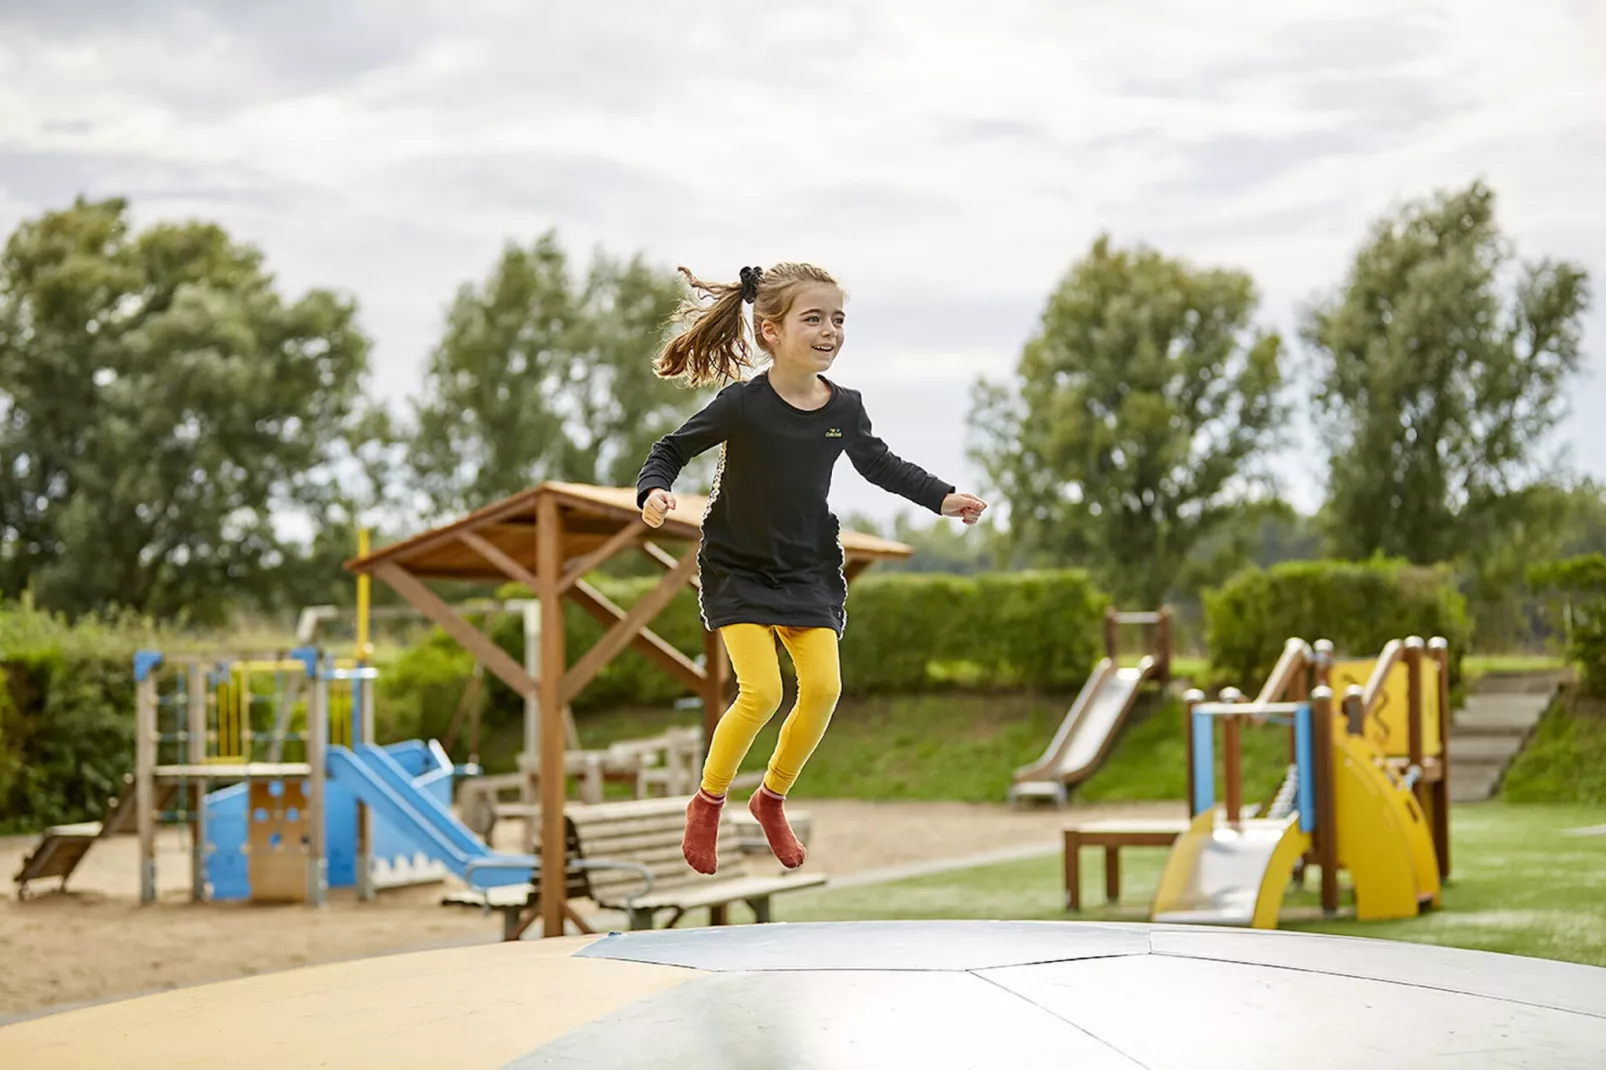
{"x":758,"y":696}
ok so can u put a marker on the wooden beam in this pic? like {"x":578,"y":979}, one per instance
{"x":618,"y":541}
{"x":626,"y":629}
{"x":505,"y":564}
{"x":554,"y":778}
{"x":852,"y":568}
{"x":669,"y":658}
{"x":429,"y":539}
{"x":471,"y":638}
{"x":668,"y":560}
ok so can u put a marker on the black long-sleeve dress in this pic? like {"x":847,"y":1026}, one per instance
{"x":770,"y":550}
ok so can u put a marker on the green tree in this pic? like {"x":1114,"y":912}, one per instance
{"x":1140,"y":415}
{"x":1544,"y":521}
{"x":160,"y":403}
{"x":1436,"y":382}
{"x":540,"y":376}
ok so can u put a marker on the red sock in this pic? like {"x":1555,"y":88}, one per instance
{"x":702,"y":831}
{"x":769,"y":808}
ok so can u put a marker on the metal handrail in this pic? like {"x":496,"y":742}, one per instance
{"x":1393,"y":651}
{"x":1295,"y":657}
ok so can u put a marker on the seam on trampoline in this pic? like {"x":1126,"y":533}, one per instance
{"x":1385,"y":981}
{"x":1060,"y":1017}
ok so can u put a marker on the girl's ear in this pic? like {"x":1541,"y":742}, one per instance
{"x":768,"y":331}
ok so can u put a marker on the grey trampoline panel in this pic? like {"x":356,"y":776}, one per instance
{"x":1174,"y":1013}
{"x":823,"y":1020}
{"x":1540,"y":982}
{"x":874,"y":945}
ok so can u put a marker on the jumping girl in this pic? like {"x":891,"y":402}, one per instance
{"x":771,"y":563}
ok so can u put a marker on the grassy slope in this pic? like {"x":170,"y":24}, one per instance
{"x":1565,"y":760}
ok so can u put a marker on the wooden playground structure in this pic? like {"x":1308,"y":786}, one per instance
{"x":1366,"y":790}
{"x":547,"y":538}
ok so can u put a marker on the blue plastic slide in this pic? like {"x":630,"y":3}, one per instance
{"x":374,"y":777}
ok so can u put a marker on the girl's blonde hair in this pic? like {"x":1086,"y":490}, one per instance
{"x":714,"y":346}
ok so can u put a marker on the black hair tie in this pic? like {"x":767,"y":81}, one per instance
{"x":750,"y":278}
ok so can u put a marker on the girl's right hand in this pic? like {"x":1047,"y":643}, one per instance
{"x":657,"y":506}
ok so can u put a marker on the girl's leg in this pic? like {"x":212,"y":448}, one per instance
{"x":758,"y":695}
{"x":819,"y":685}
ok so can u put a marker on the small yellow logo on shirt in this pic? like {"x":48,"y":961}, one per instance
{"x":835,"y":432}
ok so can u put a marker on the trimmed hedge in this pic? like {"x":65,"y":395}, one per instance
{"x":1581,"y":580}
{"x":66,"y":718}
{"x":1360,"y":606}
{"x":906,"y":632}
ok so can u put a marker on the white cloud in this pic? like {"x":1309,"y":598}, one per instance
{"x":947,"y":162}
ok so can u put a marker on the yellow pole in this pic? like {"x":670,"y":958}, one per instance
{"x":364,"y":649}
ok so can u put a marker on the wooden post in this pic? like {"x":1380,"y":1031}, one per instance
{"x":1439,"y":651}
{"x":1232,"y":758}
{"x":554,"y":780}
{"x":317,"y":815}
{"x":1321,"y":709}
{"x":1323,"y":659}
{"x":195,"y":750}
{"x":1298,"y":691}
{"x":362,"y":731}
{"x":1111,"y":638}
{"x":715,"y":666}
{"x":1163,"y":640}
{"x":1190,"y":698}
{"x":532,"y":698}
{"x":144,"y":783}
{"x":1413,"y":708}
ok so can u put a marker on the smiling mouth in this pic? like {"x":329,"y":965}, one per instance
{"x":825,"y":349}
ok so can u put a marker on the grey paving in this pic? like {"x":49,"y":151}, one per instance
{"x":939,"y":995}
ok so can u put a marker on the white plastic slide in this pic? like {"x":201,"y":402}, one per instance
{"x":1084,"y":736}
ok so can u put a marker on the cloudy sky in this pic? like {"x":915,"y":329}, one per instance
{"x":947,"y":160}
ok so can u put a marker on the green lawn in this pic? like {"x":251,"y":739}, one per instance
{"x":1520,"y":886}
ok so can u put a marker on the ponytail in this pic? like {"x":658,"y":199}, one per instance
{"x":715,"y":345}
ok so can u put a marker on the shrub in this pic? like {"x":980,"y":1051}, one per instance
{"x":1360,"y":606}
{"x":66,"y":716}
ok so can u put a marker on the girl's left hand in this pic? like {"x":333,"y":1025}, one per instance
{"x":967,"y":507}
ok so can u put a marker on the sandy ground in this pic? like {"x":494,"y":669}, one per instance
{"x":96,"y":942}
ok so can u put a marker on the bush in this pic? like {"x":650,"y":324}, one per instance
{"x":905,"y":633}
{"x":66,"y":717}
{"x":1581,"y":583}
{"x":1360,"y":606}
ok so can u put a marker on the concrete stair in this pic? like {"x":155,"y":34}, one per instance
{"x":1493,"y":726}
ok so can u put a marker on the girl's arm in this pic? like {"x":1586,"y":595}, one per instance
{"x":675,"y":450}
{"x":878,"y":464}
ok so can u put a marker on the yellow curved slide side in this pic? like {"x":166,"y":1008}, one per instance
{"x":1279,"y":871}
{"x":1376,"y":829}
{"x":1418,"y":832}
{"x":1180,"y":862}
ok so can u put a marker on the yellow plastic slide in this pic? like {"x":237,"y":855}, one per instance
{"x":1222,"y":874}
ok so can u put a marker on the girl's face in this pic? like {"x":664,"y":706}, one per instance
{"x":810,"y":335}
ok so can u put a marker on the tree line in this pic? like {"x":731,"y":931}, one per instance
{"x":164,"y":407}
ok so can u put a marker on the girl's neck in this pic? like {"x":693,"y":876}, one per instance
{"x":801,"y":386}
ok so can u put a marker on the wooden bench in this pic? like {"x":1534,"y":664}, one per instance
{"x":1112,"y":835}
{"x":626,"y":856}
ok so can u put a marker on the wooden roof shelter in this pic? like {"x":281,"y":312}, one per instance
{"x":548,"y":538}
